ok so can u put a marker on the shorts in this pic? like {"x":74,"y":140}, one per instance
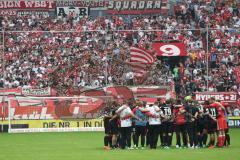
{"x":201,"y":125}
{"x":114,"y":127}
{"x":212,"y":126}
{"x":167,"y":127}
{"x":133,"y":128}
{"x":221,"y":124}
{"x":174,"y":127}
{"x":108,"y":130}
{"x":180,"y":128}
{"x":140,"y":130}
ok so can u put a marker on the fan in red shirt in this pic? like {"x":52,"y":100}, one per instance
{"x":221,"y":121}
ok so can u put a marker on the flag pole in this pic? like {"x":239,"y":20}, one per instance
{"x":4,"y":76}
{"x":207,"y":65}
{"x":106,"y":70}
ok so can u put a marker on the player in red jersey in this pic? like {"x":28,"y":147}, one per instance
{"x":221,"y":121}
{"x":227,"y":136}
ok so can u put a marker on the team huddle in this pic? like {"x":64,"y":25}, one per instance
{"x":195,"y":124}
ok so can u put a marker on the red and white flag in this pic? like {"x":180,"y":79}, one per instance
{"x":140,"y":61}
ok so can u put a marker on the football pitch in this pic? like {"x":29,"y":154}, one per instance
{"x":89,"y":146}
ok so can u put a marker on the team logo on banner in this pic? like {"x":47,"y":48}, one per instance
{"x":169,"y":49}
{"x":73,"y":11}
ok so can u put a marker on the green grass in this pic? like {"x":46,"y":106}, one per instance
{"x":88,"y":146}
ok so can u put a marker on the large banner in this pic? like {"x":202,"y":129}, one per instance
{"x":72,"y":125}
{"x":169,"y":49}
{"x":29,"y":109}
{"x":137,"y":6}
{"x":89,"y":104}
{"x":230,"y":97}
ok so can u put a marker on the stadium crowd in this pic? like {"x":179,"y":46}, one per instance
{"x":63,"y":53}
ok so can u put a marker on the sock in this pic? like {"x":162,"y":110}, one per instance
{"x":220,"y":141}
{"x":227,"y":139}
{"x":105,"y":140}
{"x":110,"y":141}
{"x":199,"y":139}
{"x":212,"y":142}
{"x":163,"y":140}
{"x":169,"y":140}
{"x":223,"y":140}
{"x":204,"y":139}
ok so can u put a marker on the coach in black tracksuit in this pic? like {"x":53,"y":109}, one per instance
{"x":191,"y":113}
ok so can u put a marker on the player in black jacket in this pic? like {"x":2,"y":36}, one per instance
{"x":191,"y":113}
{"x":212,"y":114}
{"x":107,"y":128}
{"x":201,"y":126}
{"x":167,"y":123}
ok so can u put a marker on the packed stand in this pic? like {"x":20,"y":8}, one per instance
{"x":223,"y":46}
